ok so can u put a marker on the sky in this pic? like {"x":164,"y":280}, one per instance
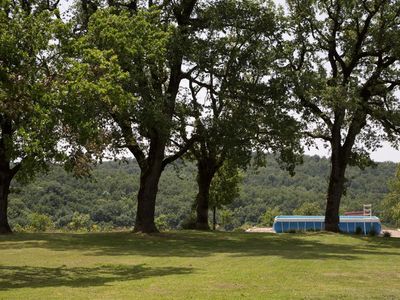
{"x":385,"y":153}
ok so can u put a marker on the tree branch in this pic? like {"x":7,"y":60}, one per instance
{"x":181,"y":152}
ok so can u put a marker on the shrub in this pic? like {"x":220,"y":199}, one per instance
{"x":95,"y":228}
{"x":40,"y":222}
{"x":308,"y":209}
{"x":267,"y":219}
{"x":387,"y":234}
{"x":226,"y":219}
{"x":106,"y":226}
{"x":162,"y":222}
{"x":19,"y":228}
{"x":80,"y":222}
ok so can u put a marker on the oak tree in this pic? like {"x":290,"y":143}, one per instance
{"x":343,"y":58}
{"x":29,"y":115}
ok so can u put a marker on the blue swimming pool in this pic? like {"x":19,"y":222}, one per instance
{"x":348,"y":224}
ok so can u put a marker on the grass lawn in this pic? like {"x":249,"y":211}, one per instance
{"x":198,"y":265}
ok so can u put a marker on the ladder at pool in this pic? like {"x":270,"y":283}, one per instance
{"x":367,"y":210}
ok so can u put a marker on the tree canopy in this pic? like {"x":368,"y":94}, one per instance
{"x":223,"y":83}
{"x":343,"y":62}
{"x":29,"y":111}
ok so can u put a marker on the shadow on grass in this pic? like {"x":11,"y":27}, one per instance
{"x":202,"y":244}
{"x":13,"y":277}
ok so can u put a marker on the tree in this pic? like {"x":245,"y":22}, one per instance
{"x":29,"y":118}
{"x":126,"y":75}
{"x":267,"y":219}
{"x":391,"y":203}
{"x":225,"y":187}
{"x":308,"y":209}
{"x":343,"y":62}
{"x":238,"y":102}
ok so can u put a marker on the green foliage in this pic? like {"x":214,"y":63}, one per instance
{"x":308,"y":209}
{"x":162,"y":222}
{"x":243,"y":109}
{"x":267,"y":219}
{"x":342,"y":64}
{"x":225,"y":186}
{"x":226,"y":219}
{"x":29,"y":108}
{"x":391,"y":203}
{"x":189,"y":221}
{"x":109,"y":196}
{"x":40,"y":223}
{"x":108,"y":72}
{"x":80,"y":222}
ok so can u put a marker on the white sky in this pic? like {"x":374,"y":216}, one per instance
{"x":386,"y":153}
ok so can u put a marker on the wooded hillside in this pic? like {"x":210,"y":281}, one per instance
{"x":109,"y":196}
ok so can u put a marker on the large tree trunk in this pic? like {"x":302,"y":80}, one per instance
{"x":147,"y":201}
{"x":150,"y":175}
{"x":205,"y":175}
{"x":5,"y":180}
{"x":339,"y":161}
{"x":335,"y":190}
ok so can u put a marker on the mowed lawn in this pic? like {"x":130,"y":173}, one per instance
{"x":198,"y":265}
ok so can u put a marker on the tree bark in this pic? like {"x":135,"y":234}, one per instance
{"x":149,"y":178}
{"x":214,"y":217}
{"x":335,"y":192}
{"x":205,"y":175}
{"x":6,"y":173}
{"x":339,"y":160}
{"x":5,"y":180}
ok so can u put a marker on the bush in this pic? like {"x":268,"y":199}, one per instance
{"x":387,"y":234}
{"x":308,"y":209}
{"x":95,"y":228}
{"x":162,"y":222}
{"x":226,"y":219}
{"x":40,"y":222}
{"x":19,"y":228}
{"x":267,"y":219}
{"x":80,"y":222}
{"x":106,"y":226}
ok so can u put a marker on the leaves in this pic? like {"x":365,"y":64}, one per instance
{"x":29,"y":115}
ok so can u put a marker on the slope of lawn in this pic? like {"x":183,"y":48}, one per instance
{"x":193,"y":265}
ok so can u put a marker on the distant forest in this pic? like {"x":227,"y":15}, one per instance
{"x":109,"y":195}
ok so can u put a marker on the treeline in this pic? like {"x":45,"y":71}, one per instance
{"x":215,"y":83}
{"x":108,"y":197}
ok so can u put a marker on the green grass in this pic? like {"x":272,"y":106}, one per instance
{"x":193,"y":265}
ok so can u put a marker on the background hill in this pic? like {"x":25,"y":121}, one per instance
{"x":109,"y":196}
